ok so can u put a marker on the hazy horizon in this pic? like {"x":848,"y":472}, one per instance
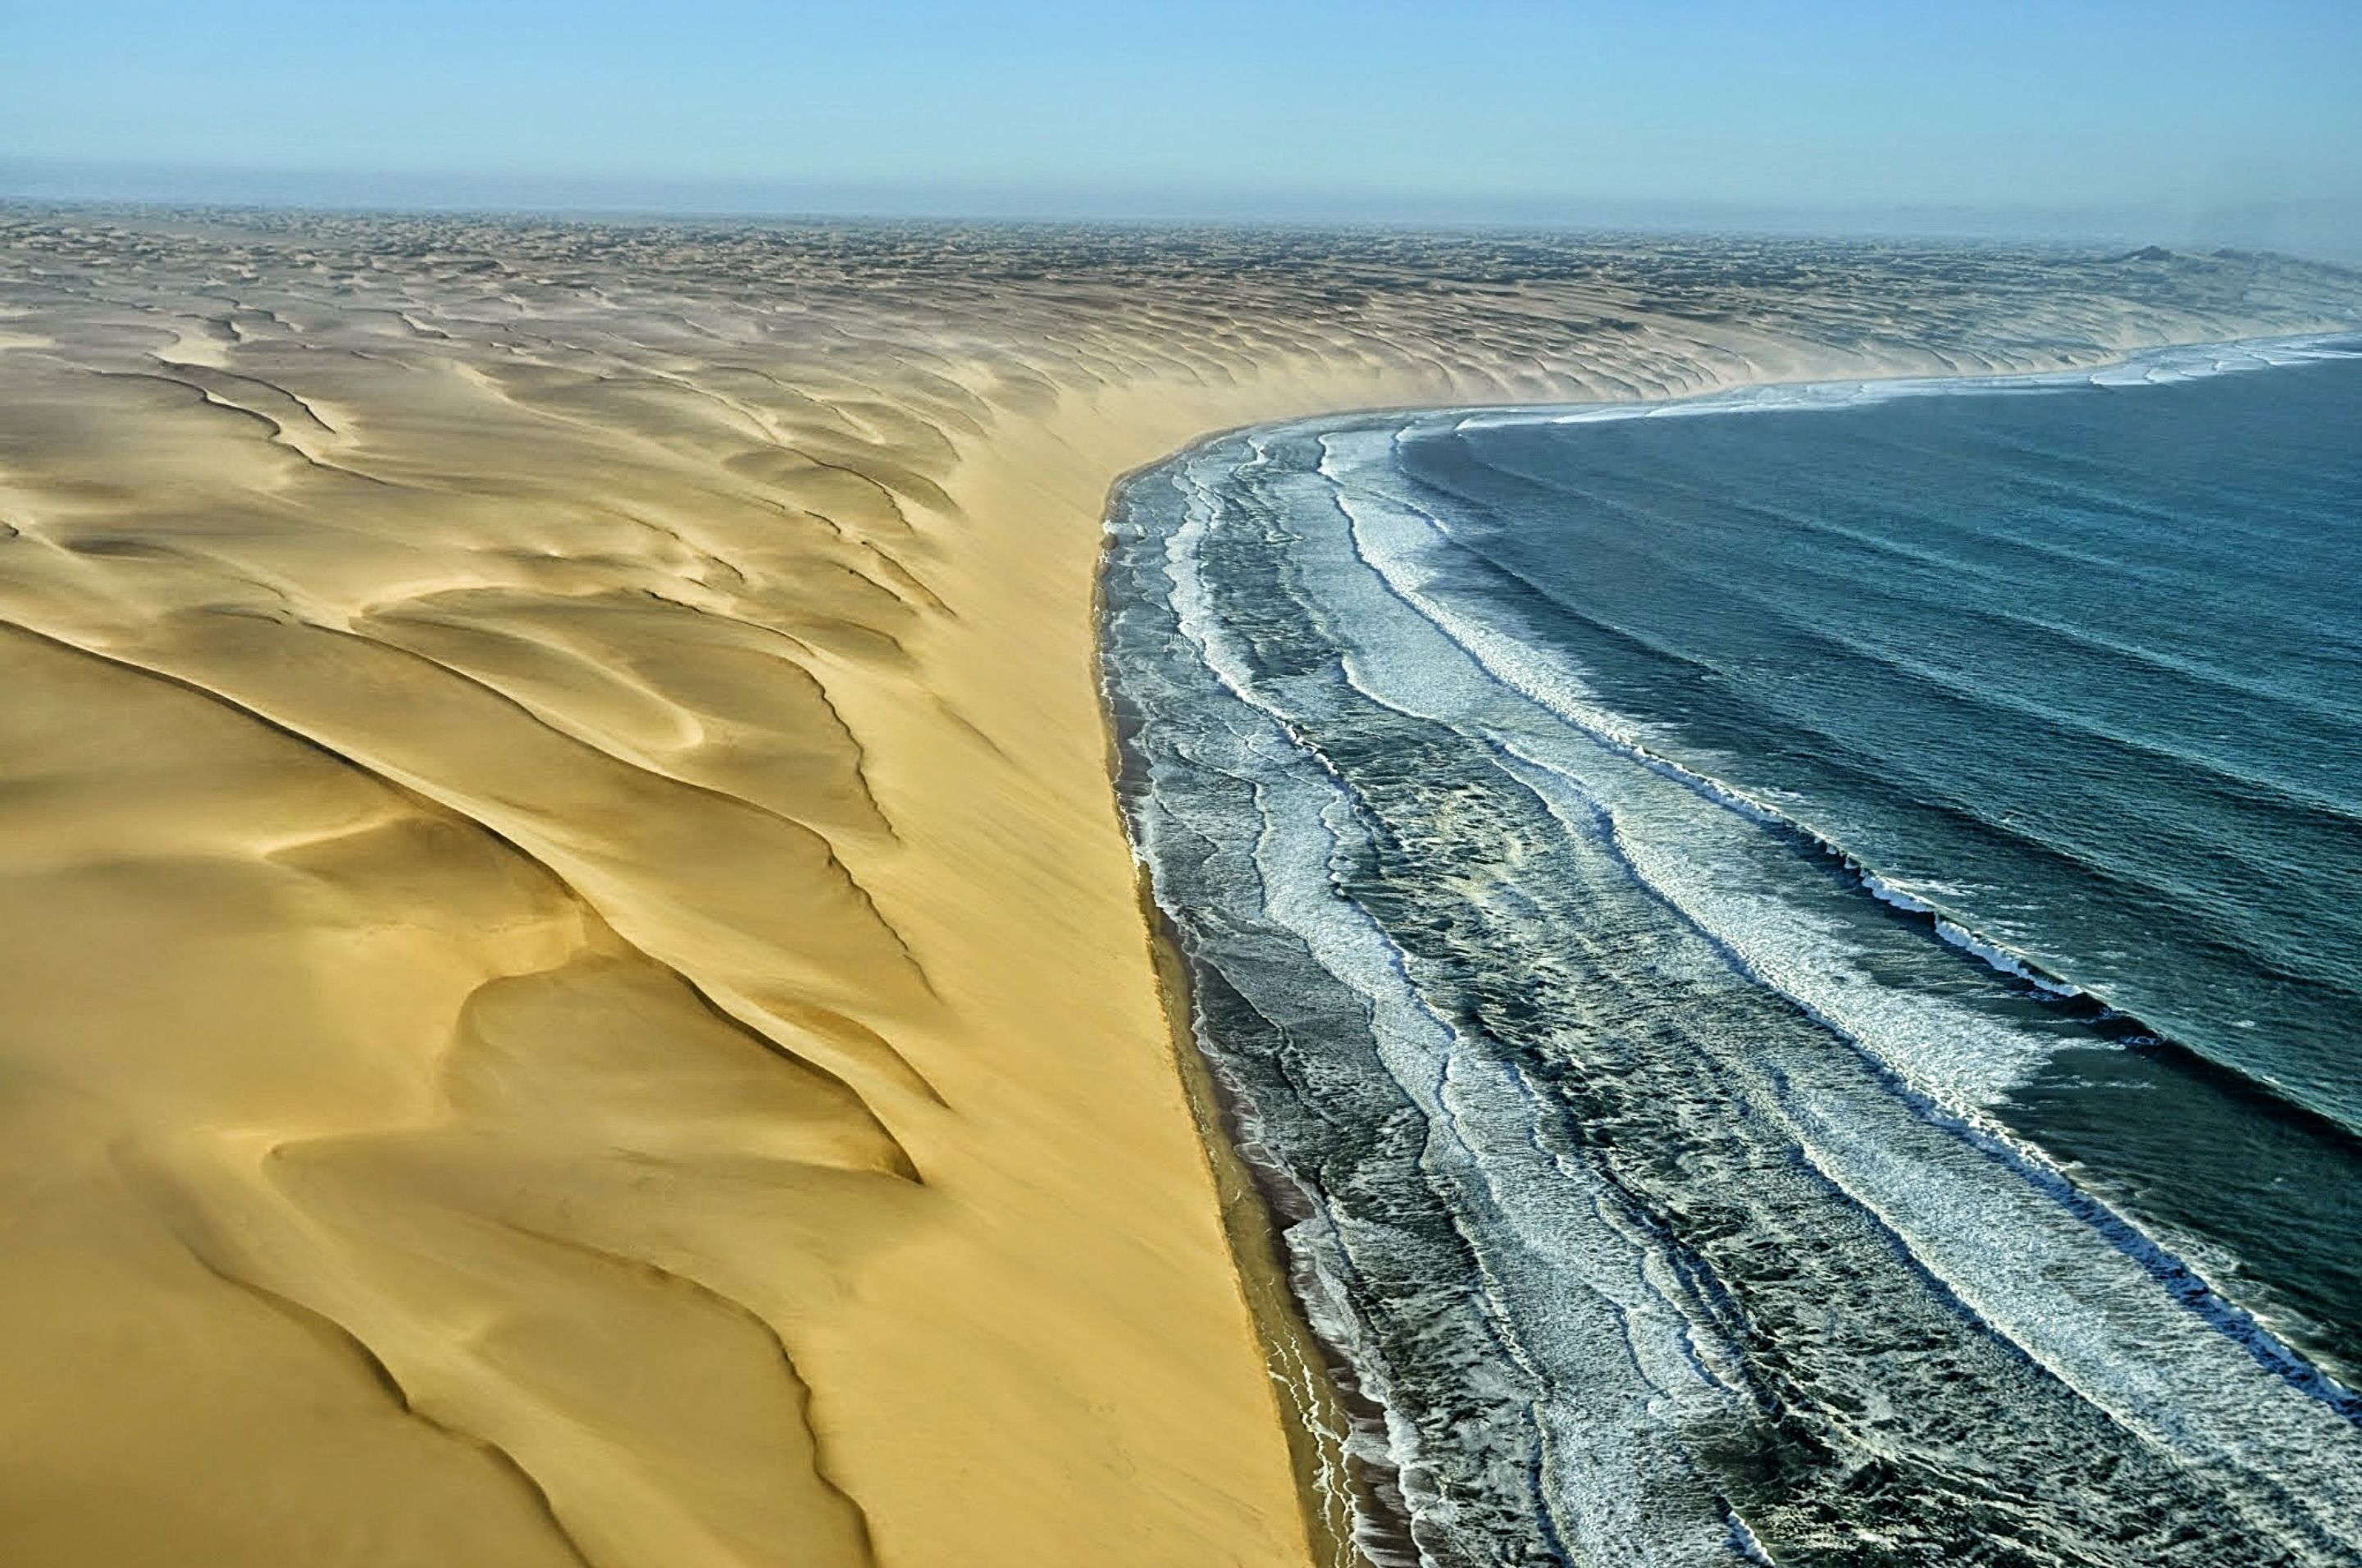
{"x":2324,"y":230}
{"x":2178,"y":124}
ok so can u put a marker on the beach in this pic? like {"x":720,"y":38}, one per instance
{"x":579,"y":992}
{"x":1751,"y":940}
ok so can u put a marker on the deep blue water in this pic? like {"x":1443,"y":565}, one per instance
{"x":1794,"y":960}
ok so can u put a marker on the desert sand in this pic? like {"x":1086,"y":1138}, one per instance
{"x":575,"y":990}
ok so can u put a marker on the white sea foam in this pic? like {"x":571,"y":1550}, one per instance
{"x":2102,"y":1307}
{"x":1955,"y":1054}
{"x":1552,"y":1239}
{"x":2123,"y":1342}
{"x":1402,"y":556}
{"x":1997,"y":956}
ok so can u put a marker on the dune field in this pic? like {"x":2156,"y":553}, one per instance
{"x":575,"y":990}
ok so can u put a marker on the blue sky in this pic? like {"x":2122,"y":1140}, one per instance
{"x":2175,"y":117}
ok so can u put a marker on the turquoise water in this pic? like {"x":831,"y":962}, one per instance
{"x":1792,"y":959}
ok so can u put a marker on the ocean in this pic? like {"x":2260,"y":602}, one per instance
{"x":1789,"y":962}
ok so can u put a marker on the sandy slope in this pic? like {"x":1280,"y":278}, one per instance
{"x":575,"y":992}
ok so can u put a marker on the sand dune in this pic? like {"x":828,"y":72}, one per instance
{"x":576,"y":992}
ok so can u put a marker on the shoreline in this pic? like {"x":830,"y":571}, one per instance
{"x":674,"y":883}
{"x":1946,"y":926}
{"x":1317,"y":1402}
{"x":1217,"y":1111}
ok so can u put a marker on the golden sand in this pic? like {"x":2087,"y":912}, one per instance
{"x":575,"y":992}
